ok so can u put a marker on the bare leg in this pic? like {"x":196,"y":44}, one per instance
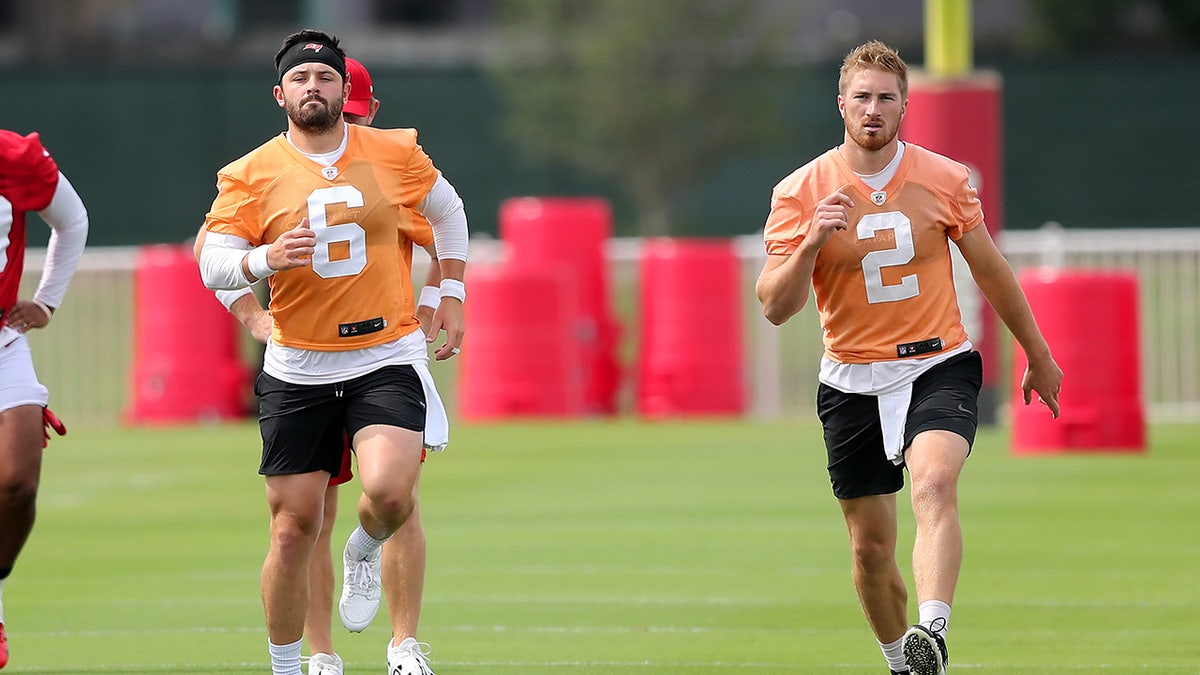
{"x":296,"y":509}
{"x":404,"y":574}
{"x":320,"y":582}
{"x":871,"y":522}
{"x":20,"y":475}
{"x":389,"y":461}
{"x":935,"y":461}
{"x":389,"y":465}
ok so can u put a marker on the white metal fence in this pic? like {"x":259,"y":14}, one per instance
{"x":85,"y":357}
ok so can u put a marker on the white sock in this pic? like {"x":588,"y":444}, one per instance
{"x":2,"y":600}
{"x":935,"y":615}
{"x":894,"y":653}
{"x":365,"y":543}
{"x":285,"y":659}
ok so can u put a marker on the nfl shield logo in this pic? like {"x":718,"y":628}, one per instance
{"x":879,"y":197}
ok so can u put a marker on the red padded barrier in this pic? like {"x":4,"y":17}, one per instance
{"x":1091,"y":321}
{"x":570,"y":233}
{"x":186,"y":365}
{"x":690,"y":354}
{"x":519,"y":356}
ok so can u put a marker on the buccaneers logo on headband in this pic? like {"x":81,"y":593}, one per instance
{"x":310,"y":52}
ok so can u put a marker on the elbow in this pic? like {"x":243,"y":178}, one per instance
{"x":777,"y":312}
{"x":775,"y":316}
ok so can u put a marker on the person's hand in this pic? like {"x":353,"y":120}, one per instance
{"x":449,"y":318}
{"x":25,"y":315}
{"x":294,"y":248}
{"x":830,"y":216}
{"x":425,"y":316}
{"x":1045,"y":378}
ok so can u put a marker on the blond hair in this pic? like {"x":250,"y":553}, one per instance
{"x":877,"y":55}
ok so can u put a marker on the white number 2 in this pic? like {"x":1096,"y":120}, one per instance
{"x":351,"y":233}
{"x":874,"y":262}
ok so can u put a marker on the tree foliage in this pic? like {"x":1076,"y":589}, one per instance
{"x":654,"y":94}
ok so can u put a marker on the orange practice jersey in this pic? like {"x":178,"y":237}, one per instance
{"x":361,"y":215}
{"x":418,"y":232}
{"x":887,"y":279}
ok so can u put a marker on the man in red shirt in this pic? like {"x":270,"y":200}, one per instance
{"x":29,"y":181}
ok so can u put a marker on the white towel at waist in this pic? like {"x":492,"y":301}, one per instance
{"x":893,"y":415}
{"x":891,"y":382}
{"x":437,"y":424}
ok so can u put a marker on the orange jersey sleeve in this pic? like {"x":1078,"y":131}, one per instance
{"x":359,"y":274}
{"x":419,"y":231}
{"x":887,"y":280}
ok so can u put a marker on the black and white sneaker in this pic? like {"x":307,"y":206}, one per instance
{"x":925,"y":651}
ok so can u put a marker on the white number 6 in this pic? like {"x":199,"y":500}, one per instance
{"x":351,"y":233}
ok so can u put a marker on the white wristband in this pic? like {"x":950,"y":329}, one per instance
{"x":256,"y":261}
{"x":453,"y":288}
{"x":430,"y":297}
{"x":45,"y":308}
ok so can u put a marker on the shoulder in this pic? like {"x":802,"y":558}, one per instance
{"x":23,"y":154}
{"x":817,"y":178}
{"x":28,"y":175}
{"x":263,"y":163}
{"x":935,"y":169}
{"x":383,"y":142}
{"x":15,"y":147}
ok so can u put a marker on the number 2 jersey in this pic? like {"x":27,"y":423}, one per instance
{"x":884,"y":286}
{"x":358,"y":292}
{"x":28,"y":179}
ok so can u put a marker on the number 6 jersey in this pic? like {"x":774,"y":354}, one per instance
{"x":358,"y":292}
{"x":885,"y":284}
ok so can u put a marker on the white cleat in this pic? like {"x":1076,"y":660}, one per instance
{"x":324,"y":664}
{"x":361,"y":589}
{"x":408,"y":658}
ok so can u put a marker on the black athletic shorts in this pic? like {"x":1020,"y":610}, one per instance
{"x":946,"y":397}
{"x":303,"y":425}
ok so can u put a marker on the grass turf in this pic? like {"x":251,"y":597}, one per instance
{"x":615,"y":547}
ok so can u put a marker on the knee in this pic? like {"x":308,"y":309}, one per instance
{"x":873,"y":554}
{"x":399,"y":507}
{"x":396,"y":503}
{"x":18,"y":491}
{"x":934,"y":494}
{"x":291,"y":535}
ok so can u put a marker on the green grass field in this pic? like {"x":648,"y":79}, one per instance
{"x":615,"y":547}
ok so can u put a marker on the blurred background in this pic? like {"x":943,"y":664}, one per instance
{"x":679,"y":115}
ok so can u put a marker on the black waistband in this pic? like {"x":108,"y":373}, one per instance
{"x":920,"y":347}
{"x":361,"y":327}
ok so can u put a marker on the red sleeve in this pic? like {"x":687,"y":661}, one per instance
{"x":28,"y":174}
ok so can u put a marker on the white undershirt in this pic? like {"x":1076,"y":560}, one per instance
{"x":877,"y":181}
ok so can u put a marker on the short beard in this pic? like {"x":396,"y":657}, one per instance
{"x":868,"y":141}
{"x":314,"y":121}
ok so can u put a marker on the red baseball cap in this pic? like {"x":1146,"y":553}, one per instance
{"x":361,"y":91}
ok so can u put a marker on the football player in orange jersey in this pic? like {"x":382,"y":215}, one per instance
{"x":29,"y":181}
{"x":320,"y":211}
{"x":405,"y":550}
{"x":867,"y":225}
